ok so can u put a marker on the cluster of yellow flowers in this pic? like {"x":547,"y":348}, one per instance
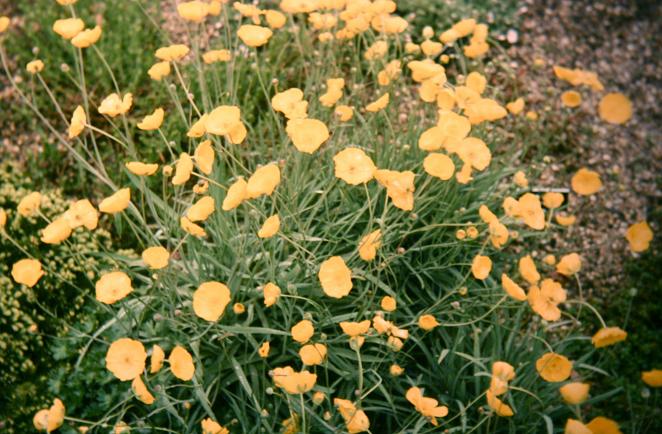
{"x":454,"y":154}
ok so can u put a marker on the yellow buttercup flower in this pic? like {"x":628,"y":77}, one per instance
{"x":113,"y":286}
{"x":515,"y":107}
{"x":335,"y":277}
{"x":270,"y":227}
{"x":202,"y":209}
{"x":153,"y":121}
{"x":615,"y":108}
{"x":652,"y":378}
{"x":159,"y":70}
{"x":344,"y":112}
{"x":204,"y":157}
{"x":275,"y":19}
{"x":639,"y":236}
{"x":290,"y":102}
{"x":29,"y":204}
{"x":427,"y":322}
{"x":4,"y":23}
{"x":512,"y":288}
{"x":35,"y":66}
{"x":586,"y":182}
{"x":210,"y":300}
{"x":369,"y":245}
{"x":292,"y":382}
{"x":569,"y":264}
{"x":528,"y":270}
{"x":531,"y":212}
{"x":428,"y":407}
{"x":87,"y":37}
{"x":181,"y":363}
{"x":554,"y":367}
{"x":481,"y":267}
{"x":68,"y":27}
{"x":302,"y":331}
{"x":172,"y":53}
{"x":574,"y":393}
{"x":191,"y":228}
{"x":307,"y":135}
{"x":141,"y":169}
{"x":117,"y":202}
{"x":312,"y":354}
{"x":55,"y":417}
{"x":254,"y":36}
{"x":608,"y":336}
{"x":544,"y":300}
{"x":500,"y":408}
{"x":126,"y":358}
{"x":388,"y":303}
{"x":156,"y":257}
{"x":353,"y":166}
{"x":399,"y":187}
{"x":211,"y":427}
{"x":271,"y":294}
{"x":379,"y":104}
{"x":114,"y":106}
{"x":356,"y":421}
{"x":213,"y":56}
{"x":27,"y":272}
{"x":183,"y":169}
{"x":236,"y":195}
{"x":222,"y":120}
{"x":156,"y":359}
{"x":78,"y":122}
{"x":195,"y":11}
{"x":571,"y":98}
{"x":141,"y":391}
{"x":263,"y":182}
{"x":56,"y":232}
{"x":439,"y":165}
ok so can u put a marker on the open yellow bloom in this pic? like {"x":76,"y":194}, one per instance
{"x":141,"y":169}
{"x":344,"y":112}
{"x":552,"y":200}
{"x":554,"y":367}
{"x":4,"y":23}
{"x":615,"y":108}
{"x":307,"y":135}
{"x":354,"y":329}
{"x":500,"y":408}
{"x":117,"y":202}
{"x":292,"y":382}
{"x":608,"y":336}
{"x":201,"y":210}
{"x":335,"y":277}
{"x":87,"y":37}
{"x":34,"y":66}
{"x":652,"y":378}
{"x":312,"y":354}
{"x":571,"y":98}
{"x":156,"y":360}
{"x":191,"y":228}
{"x":290,"y":102}
{"x":531,"y":212}
{"x":210,"y":300}
{"x":236,"y":195}
{"x":639,"y":236}
{"x":181,"y":363}
{"x":141,"y":391}
{"x":515,"y":107}
{"x":204,"y":157}
{"x":172,"y":53}
{"x":481,"y":267}
{"x":156,"y":257}
{"x":29,"y":204}
{"x":269,"y":227}
{"x":575,"y":393}
{"x":428,"y":407}
{"x":213,"y":56}
{"x":263,"y":351}
{"x":369,"y":245}
{"x":379,"y":104}
{"x":573,"y":426}
{"x":159,"y":70}
{"x":263,"y":182}
{"x":114,"y":106}
{"x":56,"y":232}
{"x":153,"y":121}
{"x":439,"y":165}
{"x":211,"y":427}
{"x":356,"y":421}
{"x":254,"y":36}
{"x":222,"y":120}
{"x":27,"y":272}
{"x":603,"y":425}
{"x":586,"y":182}
{"x":67,"y":28}
{"x":183,"y":169}
{"x":78,"y":121}
{"x":502,"y":373}
{"x":569,"y":264}
{"x":399,"y":187}
{"x":271,"y":293}
{"x":126,"y":358}
{"x":302,"y":331}
{"x":427,"y":322}
{"x":512,"y":288}
{"x":113,"y":286}
{"x":528,"y":270}
{"x":544,"y":300}
{"x":353,"y":166}
{"x":195,"y":11}
{"x":55,"y":416}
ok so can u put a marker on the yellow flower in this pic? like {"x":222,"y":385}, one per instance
{"x":531,"y":212}
{"x":571,"y":98}
{"x":608,"y":336}
{"x":312,"y":354}
{"x":195,"y":11}
{"x":439,"y":165}
{"x":574,"y":393}
{"x":153,"y":121}
{"x":578,"y":77}
{"x":502,"y":373}
{"x":87,"y":37}
{"x":481,"y":267}
{"x":388,"y":303}
{"x":269,"y":227}
{"x":156,"y":257}
{"x":569,"y":264}
{"x":27,"y":272}
{"x":275,"y":19}
{"x":586,"y":182}
{"x":204,"y":157}
{"x":213,"y":56}
{"x":211,"y":427}
{"x":544,"y":300}
{"x":354,"y":329}
{"x":181,"y":363}
{"x":615,"y":108}
{"x":126,"y":358}
{"x":114,"y":106}
{"x":427,"y":322}
{"x":353,"y":166}
{"x":379,"y":104}
{"x":512,"y":288}
{"x":172,"y":53}
{"x":201,"y":210}
{"x":222,"y":120}
{"x":156,"y":360}
{"x":254,"y":36}
{"x":399,"y":187}
{"x":56,"y":232}
{"x":554,"y":367}
{"x":335,"y":277}
{"x":66,"y":2}
{"x":3,"y":218}
{"x":376,"y":51}
{"x":344,"y":112}
{"x":210,"y":300}
{"x":183,"y":169}
{"x":54,"y":418}
{"x":552,"y":200}
{"x":500,"y":408}
{"x":528,"y":270}
{"x":307,"y":135}
{"x":112,"y":287}
{"x":573,"y":426}
{"x":34,"y":66}
{"x":189,"y":227}
{"x":292,"y":382}
{"x":474,"y":152}
{"x":603,"y":425}
{"x":141,"y":169}
{"x":4,"y":23}
{"x":40,"y":420}
{"x":263,"y":181}
{"x":78,"y":121}
{"x":302,"y":331}
{"x":356,"y":421}
{"x":263,"y":351}
{"x":235,"y":195}
{"x":520,"y":179}
{"x":652,"y":378}
{"x":639,"y":236}
{"x":29,"y":204}
{"x":369,"y":245}
{"x":271,"y":294}
{"x":159,"y":70}
{"x":68,"y":27}
{"x":396,"y":370}
{"x":428,"y":407}
{"x":515,"y":107}
{"x":117,"y":202}
{"x":290,"y":102}
{"x":141,"y":391}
